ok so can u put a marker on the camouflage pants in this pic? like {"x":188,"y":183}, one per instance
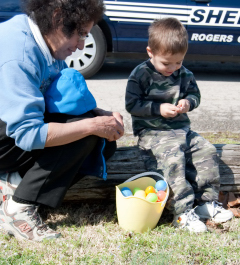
{"x":187,"y":161}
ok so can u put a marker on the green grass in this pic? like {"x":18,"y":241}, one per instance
{"x":212,"y":137}
{"x":222,"y":137}
{"x":91,"y":235}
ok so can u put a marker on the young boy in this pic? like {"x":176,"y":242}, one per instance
{"x":159,"y":94}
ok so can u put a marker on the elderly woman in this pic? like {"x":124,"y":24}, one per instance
{"x":42,"y":155}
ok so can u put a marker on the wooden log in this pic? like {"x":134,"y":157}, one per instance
{"x":127,"y":162}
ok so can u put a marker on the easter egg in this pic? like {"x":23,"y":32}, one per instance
{"x":161,"y":185}
{"x":140,"y":194}
{"x":135,"y":189}
{"x":161,"y":195}
{"x":126,"y":192}
{"x":152,"y":197}
{"x":150,"y":189}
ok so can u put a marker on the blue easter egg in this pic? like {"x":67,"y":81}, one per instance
{"x":161,"y":185}
{"x":126,"y":192}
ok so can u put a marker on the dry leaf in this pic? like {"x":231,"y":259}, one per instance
{"x":232,"y":200}
{"x":235,"y":211}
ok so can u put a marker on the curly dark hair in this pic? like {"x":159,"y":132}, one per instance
{"x":71,"y":14}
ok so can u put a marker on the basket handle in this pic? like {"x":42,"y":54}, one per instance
{"x":145,"y":174}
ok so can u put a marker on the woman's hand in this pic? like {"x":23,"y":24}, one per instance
{"x":118,"y":117}
{"x":109,"y":127}
{"x":110,"y":132}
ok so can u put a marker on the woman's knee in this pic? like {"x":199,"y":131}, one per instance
{"x":88,"y":142}
{"x":110,"y":149}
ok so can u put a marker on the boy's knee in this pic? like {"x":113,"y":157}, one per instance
{"x":212,"y":149}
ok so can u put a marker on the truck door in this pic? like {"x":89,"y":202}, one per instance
{"x":131,"y":20}
{"x":214,"y":27}
{"x":8,"y":9}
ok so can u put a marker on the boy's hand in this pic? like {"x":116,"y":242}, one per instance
{"x":168,"y":110}
{"x":183,"y":106}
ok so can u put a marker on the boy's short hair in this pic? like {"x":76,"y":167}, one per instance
{"x":167,"y":35}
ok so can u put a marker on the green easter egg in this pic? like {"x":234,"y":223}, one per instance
{"x":135,"y":189}
{"x":152,"y":197}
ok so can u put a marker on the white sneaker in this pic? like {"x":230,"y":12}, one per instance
{"x":190,"y":221}
{"x":214,"y":211}
{"x":6,"y":188}
{"x":25,"y":223}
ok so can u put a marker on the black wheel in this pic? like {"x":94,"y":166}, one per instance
{"x":89,"y":60}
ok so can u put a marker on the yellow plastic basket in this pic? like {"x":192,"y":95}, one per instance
{"x":138,"y":214}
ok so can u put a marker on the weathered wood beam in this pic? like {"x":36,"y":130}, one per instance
{"x":127,"y":162}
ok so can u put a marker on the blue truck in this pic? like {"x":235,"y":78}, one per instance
{"x":213,"y":27}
